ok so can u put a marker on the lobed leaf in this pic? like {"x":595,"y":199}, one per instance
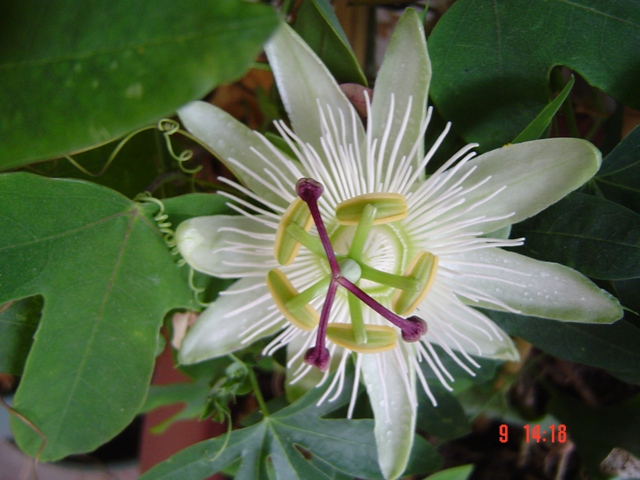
{"x":279,"y":438}
{"x":297,"y":443}
{"x":107,"y":278}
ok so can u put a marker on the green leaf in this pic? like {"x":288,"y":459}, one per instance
{"x":277,"y":440}
{"x":107,"y":278}
{"x":619,"y":177}
{"x":74,"y":74}
{"x":18,"y":323}
{"x":192,"y":205}
{"x":597,"y":237}
{"x":538,"y":125}
{"x":612,"y":347}
{"x":627,"y":293}
{"x":447,"y":420}
{"x":318,"y":25}
{"x":491,"y":60}
{"x":596,"y":431}
{"x":423,"y":458}
{"x":456,"y":473}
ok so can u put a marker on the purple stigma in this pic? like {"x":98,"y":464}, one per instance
{"x":318,"y":357}
{"x":309,"y":190}
{"x":414,"y":330}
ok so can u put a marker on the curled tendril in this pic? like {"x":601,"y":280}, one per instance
{"x":111,"y":158}
{"x":168,"y":234}
{"x":227,"y":417}
{"x":168,"y":128}
{"x":196,"y":290}
{"x":164,"y":225}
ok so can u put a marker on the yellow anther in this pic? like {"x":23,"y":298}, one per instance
{"x":422,"y":268}
{"x":380,"y":338}
{"x":389,"y":207}
{"x":304,"y":317}
{"x":286,"y":247}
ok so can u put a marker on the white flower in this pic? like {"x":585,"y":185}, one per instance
{"x":425,"y":248}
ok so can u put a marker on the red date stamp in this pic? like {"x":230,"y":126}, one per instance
{"x":535,"y":433}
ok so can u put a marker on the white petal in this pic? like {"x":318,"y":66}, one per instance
{"x":537,"y":174}
{"x":303,"y":80}
{"x":223,"y":326}
{"x":393,"y":407}
{"x":227,"y":246}
{"x":405,"y":73}
{"x":233,"y":141}
{"x":536,"y":288}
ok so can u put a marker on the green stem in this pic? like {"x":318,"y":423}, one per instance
{"x":254,"y":385}
{"x":258,"y":393}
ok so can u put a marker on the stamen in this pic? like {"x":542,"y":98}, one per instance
{"x":379,"y":338}
{"x":283,"y":292}
{"x":423,"y":269}
{"x":389,"y":207}
{"x":286,"y":246}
